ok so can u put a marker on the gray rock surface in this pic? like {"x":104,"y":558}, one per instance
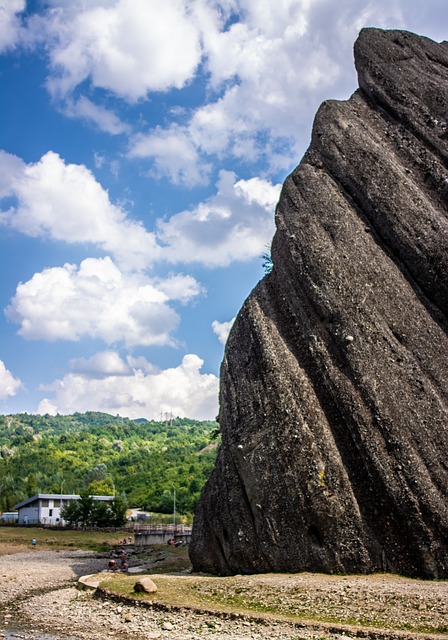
{"x":333,"y":402}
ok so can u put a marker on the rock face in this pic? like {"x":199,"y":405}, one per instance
{"x":334,"y":394}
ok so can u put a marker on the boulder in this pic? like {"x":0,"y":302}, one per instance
{"x":145,"y":585}
{"x":334,"y":383}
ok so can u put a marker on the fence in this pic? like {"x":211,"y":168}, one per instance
{"x":147,"y":534}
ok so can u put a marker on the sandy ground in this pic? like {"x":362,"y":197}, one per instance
{"x":38,"y":593}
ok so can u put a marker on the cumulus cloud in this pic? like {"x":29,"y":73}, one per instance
{"x":268,"y":71}
{"x":10,"y":24}
{"x":100,"y":365}
{"x":12,"y":170}
{"x":267,"y":67}
{"x":174,"y":155}
{"x":235,"y":224}
{"x":8,"y":384}
{"x":103,"y":118}
{"x":178,"y":286}
{"x":106,"y":383}
{"x":222,"y":329}
{"x":129,"y":47}
{"x":97,"y":300}
{"x":64,"y":202}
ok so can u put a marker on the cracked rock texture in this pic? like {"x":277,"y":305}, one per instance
{"x":333,"y":405}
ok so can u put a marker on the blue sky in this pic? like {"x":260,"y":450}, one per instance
{"x":143,"y":145}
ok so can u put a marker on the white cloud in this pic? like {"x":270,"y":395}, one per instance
{"x":104,"y":119}
{"x":8,"y":384}
{"x":10,"y":24}
{"x":222,"y":329}
{"x":65,"y":202}
{"x":100,"y":365}
{"x":135,"y":392}
{"x":268,"y":72}
{"x":12,"y":170}
{"x":98,"y":301}
{"x":178,"y":286}
{"x":174,"y":155}
{"x":130,"y":47}
{"x":274,"y":69}
{"x":268,"y":68}
{"x":235,"y":224}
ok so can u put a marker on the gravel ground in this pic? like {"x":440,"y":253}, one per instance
{"x":37,"y":591}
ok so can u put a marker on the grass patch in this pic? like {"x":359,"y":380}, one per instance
{"x":18,"y":539}
{"x":178,"y":591}
{"x":267,"y":597}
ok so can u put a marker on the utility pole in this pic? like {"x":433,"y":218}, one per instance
{"x":61,"y":521}
{"x":174,"y":507}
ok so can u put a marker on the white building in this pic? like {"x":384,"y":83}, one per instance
{"x":45,"y":508}
{"x":9,"y":516}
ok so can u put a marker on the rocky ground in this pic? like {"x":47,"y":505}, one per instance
{"x":38,"y":594}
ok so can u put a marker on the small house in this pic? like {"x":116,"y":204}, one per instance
{"x":45,"y":508}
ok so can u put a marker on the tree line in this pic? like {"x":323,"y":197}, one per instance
{"x":88,"y":512}
{"x":95,"y":453}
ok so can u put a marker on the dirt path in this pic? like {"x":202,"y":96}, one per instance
{"x":38,"y":592}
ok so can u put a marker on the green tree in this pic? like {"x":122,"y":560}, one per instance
{"x":83,"y":452}
{"x":100,"y":516}
{"x":32,"y":486}
{"x":71,"y":512}
{"x":118,"y":508}
{"x":86,"y":509}
{"x":95,"y":513}
{"x":166,"y":502}
{"x":101,"y":487}
{"x":97,"y":473}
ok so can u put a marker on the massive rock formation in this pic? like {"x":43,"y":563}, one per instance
{"x":333,"y":406}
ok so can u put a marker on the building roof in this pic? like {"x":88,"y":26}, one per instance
{"x":57,"y":496}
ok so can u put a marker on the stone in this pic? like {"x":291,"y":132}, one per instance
{"x":145,"y":585}
{"x":334,"y":384}
{"x":167,"y":626}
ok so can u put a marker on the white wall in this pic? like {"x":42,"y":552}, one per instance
{"x":48,"y":514}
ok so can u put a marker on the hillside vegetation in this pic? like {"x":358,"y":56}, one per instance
{"x":99,"y":453}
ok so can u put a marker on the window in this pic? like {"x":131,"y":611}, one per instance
{"x":50,"y":512}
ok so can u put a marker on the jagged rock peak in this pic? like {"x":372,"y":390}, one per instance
{"x":334,"y":394}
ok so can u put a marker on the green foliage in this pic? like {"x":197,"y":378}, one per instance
{"x":99,"y":454}
{"x":166,"y":502}
{"x":117,"y":510}
{"x":70,"y":512}
{"x":89,"y":512}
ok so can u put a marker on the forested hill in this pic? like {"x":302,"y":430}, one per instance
{"x":100,"y":453}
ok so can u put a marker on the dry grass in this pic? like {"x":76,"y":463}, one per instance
{"x":18,"y":539}
{"x":377,"y":601}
